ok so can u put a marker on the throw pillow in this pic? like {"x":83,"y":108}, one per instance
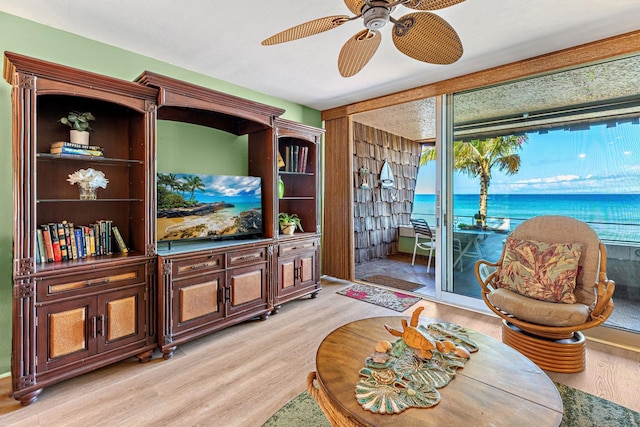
{"x":544,"y":271}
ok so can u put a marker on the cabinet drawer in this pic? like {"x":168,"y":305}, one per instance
{"x":196,"y":265}
{"x":246,"y":256}
{"x":52,"y":287}
{"x":301,"y":246}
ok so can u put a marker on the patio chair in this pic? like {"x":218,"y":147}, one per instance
{"x":424,"y":239}
{"x":549,"y":284}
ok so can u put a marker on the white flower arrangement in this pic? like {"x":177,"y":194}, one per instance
{"x":88,"y":178}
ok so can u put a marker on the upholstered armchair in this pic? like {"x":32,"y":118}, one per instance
{"x":549,"y":284}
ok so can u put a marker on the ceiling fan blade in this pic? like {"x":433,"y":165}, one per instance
{"x":307,"y":29}
{"x":428,"y":38}
{"x":430,"y":4}
{"x":357,"y":52}
{"x":355,"y":6}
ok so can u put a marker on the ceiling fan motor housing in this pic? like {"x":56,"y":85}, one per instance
{"x":376,"y":14}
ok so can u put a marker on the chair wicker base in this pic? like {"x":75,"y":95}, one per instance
{"x":566,"y":355}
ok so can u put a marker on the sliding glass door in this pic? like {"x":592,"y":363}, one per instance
{"x":563,"y":144}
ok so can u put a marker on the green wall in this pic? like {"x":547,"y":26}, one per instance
{"x":39,"y":41}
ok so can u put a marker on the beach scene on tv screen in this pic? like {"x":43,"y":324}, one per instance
{"x":196,"y":206}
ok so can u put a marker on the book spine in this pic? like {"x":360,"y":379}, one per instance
{"x":48,"y":243}
{"x":305,"y":155}
{"x":296,"y":153}
{"x":74,"y":145}
{"x":119,"y":240}
{"x":38,"y":255}
{"x":87,"y":241}
{"x":63,"y":242}
{"x":287,"y":155}
{"x":70,"y":240}
{"x":79,"y":238}
{"x":55,"y":242}
{"x":92,"y":241}
{"x":41,"y":248}
{"x":103,"y":237}
{"x":108,"y":236}
{"x":96,"y":237}
{"x":74,"y":246}
{"x":76,"y":151}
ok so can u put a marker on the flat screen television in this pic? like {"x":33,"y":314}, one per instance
{"x":196,"y":206}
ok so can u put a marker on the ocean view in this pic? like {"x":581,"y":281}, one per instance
{"x":615,"y":217}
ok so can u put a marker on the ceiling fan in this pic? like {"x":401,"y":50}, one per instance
{"x":420,"y":35}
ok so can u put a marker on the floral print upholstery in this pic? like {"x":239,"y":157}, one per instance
{"x":544,"y":271}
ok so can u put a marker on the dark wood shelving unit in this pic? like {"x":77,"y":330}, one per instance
{"x":238,"y":280}
{"x":74,"y":316}
{"x":77,"y":315}
{"x":298,"y":255}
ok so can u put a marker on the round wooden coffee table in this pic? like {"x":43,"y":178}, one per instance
{"x":497,"y":386}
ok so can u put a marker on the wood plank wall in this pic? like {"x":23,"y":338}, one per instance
{"x":378,"y":212}
{"x":337,"y":234}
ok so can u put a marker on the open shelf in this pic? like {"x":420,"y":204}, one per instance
{"x":85,"y":159}
{"x":87,"y":201}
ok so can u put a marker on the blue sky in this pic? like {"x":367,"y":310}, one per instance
{"x":595,"y":161}
{"x":227,"y":188}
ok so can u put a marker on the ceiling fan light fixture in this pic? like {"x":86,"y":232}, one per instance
{"x":376,"y":17}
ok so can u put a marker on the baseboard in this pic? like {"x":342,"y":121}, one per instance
{"x":614,"y":337}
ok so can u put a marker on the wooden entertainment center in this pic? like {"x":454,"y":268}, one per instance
{"x":79,"y":314}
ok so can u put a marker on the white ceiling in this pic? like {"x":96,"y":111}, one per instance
{"x":222,"y":39}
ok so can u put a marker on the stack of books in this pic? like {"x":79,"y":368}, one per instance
{"x":64,"y":147}
{"x":296,"y":158}
{"x":64,"y":241}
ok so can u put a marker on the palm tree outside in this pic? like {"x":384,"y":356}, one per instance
{"x":477,"y":158}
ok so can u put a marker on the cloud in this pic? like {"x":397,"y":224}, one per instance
{"x":548,"y":180}
{"x":571,"y":184}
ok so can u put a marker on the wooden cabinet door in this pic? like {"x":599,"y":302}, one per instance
{"x":286,"y":275}
{"x":306,"y":265}
{"x":121,"y":318}
{"x":296,"y":273}
{"x":197,"y":301}
{"x":246,"y":288}
{"x":66,"y":332}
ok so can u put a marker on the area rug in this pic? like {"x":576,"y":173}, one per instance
{"x":393,"y":282}
{"x":580,"y":410}
{"x":394,"y":300}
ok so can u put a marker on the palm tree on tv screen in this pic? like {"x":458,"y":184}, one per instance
{"x":168,"y":180}
{"x":477,"y":157}
{"x":191,"y":184}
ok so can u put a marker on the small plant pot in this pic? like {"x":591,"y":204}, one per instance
{"x":288,"y":228}
{"x":79,"y":137}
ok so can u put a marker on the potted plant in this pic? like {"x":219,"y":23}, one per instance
{"x":289,"y":223}
{"x":79,"y":124}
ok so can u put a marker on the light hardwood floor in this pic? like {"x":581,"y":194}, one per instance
{"x":241,"y":375}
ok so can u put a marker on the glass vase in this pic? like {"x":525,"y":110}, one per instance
{"x":280,"y":188}
{"x":87,"y":192}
